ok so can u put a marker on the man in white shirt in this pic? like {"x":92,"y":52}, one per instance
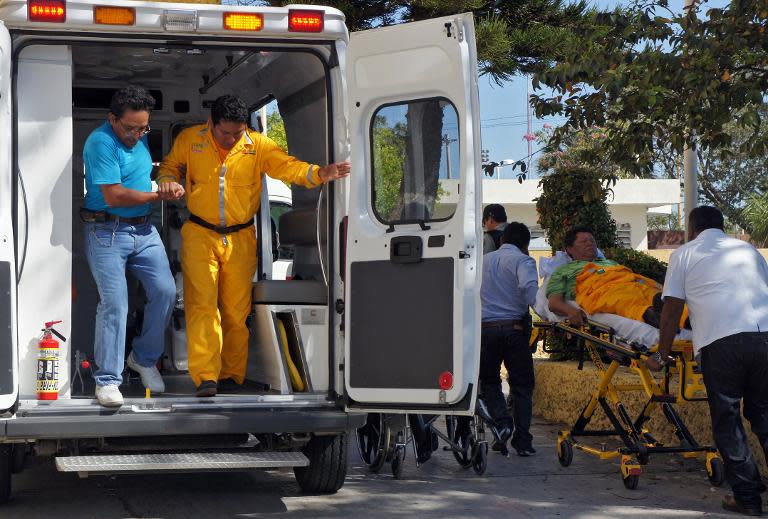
{"x":724,"y":281}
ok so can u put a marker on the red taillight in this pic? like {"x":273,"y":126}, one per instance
{"x":446,"y":380}
{"x":302,"y":20}
{"x":47,"y":10}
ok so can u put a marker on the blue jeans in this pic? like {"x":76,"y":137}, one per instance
{"x":111,"y":247}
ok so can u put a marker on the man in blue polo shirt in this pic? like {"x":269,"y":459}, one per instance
{"x":119,"y":235}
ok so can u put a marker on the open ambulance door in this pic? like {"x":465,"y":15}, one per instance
{"x":413,"y":255}
{"x":8,"y":359}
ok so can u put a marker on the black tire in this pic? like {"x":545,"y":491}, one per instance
{"x":565,"y":453}
{"x":327,"y":465}
{"x":398,"y":460}
{"x":463,"y":456}
{"x":373,"y":441}
{"x":18,"y":457}
{"x":631,"y":481}
{"x":717,"y":476}
{"x":479,"y":457}
{"x":6,"y":464}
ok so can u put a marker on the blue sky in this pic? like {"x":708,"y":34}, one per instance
{"x":503,"y":110}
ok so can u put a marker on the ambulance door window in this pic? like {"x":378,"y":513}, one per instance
{"x":415,"y":161}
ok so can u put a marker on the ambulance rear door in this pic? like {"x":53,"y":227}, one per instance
{"x":8,"y":355}
{"x":413,"y":254}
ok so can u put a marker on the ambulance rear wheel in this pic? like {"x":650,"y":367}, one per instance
{"x":327,"y":465}
{"x":6,"y":464}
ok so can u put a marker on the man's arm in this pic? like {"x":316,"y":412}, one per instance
{"x":278,"y":164}
{"x":559,"y":306}
{"x":116,"y":195}
{"x":173,"y":167}
{"x":528,"y":279}
{"x":670,"y":319}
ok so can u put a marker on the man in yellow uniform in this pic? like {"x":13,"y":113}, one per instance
{"x":223,"y":162}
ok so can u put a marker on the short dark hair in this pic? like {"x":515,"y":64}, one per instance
{"x":570,"y":237}
{"x":131,"y":98}
{"x":706,"y":217}
{"x":517,"y":234}
{"x":495,"y":211}
{"x":229,"y":108}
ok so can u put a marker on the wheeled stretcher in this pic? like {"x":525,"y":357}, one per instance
{"x":608,"y":352}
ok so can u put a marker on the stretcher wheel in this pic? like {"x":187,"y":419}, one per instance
{"x":398,"y":460}
{"x":479,"y":457}
{"x":717,"y":474}
{"x":565,"y":453}
{"x":373,"y":441}
{"x":631,"y":481}
{"x":462,"y":440}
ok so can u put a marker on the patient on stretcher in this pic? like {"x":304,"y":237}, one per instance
{"x":599,"y":285}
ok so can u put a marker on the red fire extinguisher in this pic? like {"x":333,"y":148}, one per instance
{"x":48,"y":363}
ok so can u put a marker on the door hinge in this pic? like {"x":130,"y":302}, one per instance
{"x":448,"y":27}
{"x":339,"y":306}
{"x":464,"y":254}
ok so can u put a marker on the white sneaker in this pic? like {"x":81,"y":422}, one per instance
{"x":150,"y":377}
{"x":109,"y":396}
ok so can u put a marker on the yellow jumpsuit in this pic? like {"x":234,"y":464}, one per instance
{"x":224,"y":190}
{"x":616,"y":290}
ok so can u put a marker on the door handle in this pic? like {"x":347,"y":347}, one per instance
{"x":405,"y":249}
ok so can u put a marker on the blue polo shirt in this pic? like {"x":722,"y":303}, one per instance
{"x":108,"y":161}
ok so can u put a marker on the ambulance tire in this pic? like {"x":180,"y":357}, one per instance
{"x":327,"y":465}
{"x":6,"y":464}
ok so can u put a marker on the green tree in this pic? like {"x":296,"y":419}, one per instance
{"x":518,"y":36}
{"x":654,"y":78}
{"x":756,"y":215}
{"x":388,"y":168}
{"x":276,"y":130}
{"x":572,"y":198}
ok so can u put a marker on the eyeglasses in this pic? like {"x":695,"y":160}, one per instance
{"x":140,"y":132}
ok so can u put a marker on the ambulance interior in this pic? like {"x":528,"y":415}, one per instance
{"x":288,"y":351}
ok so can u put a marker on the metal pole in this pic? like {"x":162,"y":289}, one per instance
{"x":690,"y":166}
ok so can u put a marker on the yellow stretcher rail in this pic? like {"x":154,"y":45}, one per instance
{"x":638,"y":442}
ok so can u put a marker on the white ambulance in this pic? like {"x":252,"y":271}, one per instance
{"x":381,"y":311}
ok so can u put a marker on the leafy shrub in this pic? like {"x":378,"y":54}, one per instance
{"x":640,"y":262}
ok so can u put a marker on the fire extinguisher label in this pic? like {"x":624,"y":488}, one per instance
{"x":48,"y":372}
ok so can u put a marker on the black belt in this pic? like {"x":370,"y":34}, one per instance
{"x":219,"y":229}
{"x":518,"y":324}
{"x":88,"y":216}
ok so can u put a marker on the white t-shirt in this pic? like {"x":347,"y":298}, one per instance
{"x":724,"y":282}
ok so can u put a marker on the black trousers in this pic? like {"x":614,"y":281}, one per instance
{"x":508,"y":344}
{"x":736,"y":368}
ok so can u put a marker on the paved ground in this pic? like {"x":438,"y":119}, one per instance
{"x":514,"y":487}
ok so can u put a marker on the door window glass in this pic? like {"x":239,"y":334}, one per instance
{"x":416,"y":161}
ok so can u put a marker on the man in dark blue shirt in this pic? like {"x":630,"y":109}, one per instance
{"x":119,"y":235}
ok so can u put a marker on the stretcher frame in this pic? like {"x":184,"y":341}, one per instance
{"x":639,"y":443}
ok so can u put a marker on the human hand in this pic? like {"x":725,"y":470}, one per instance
{"x":334,"y":171}
{"x":170,"y":191}
{"x":576,"y":317}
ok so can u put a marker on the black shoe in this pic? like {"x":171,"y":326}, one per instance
{"x":229,"y":385}
{"x":206,"y":388}
{"x":500,"y":443}
{"x":525,"y":451}
{"x":732,"y":505}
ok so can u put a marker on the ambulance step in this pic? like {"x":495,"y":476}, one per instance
{"x":179,"y":462}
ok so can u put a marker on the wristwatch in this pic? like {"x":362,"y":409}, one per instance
{"x":658,"y":359}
